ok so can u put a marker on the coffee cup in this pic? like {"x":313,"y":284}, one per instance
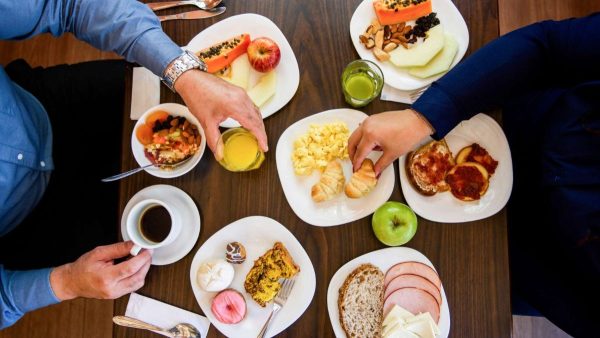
{"x":151,"y":224}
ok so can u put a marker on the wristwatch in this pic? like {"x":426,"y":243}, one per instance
{"x":184,"y":62}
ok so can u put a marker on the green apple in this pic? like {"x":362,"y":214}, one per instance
{"x":394,"y":223}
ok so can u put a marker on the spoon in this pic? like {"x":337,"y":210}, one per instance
{"x":202,"y":4}
{"x":178,"y":331}
{"x":133,"y":171}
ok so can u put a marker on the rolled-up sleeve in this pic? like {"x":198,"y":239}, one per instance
{"x":23,"y":291}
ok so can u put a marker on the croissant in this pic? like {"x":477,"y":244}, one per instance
{"x":331,"y":183}
{"x":362,"y":181}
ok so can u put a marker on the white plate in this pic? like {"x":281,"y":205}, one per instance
{"x":383,"y":259}
{"x":296,"y":188}
{"x":138,"y":149}
{"x":288,"y":74}
{"x":450,"y":18}
{"x":190,"y":229}
{"x":444,"y":207}
{"x":258,"y":234}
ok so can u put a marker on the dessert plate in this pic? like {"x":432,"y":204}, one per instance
{"x":383,"y":259}
{"x":288,"y":73}
{"x":444,"y":207}
{"x":190,"y":229}
{"x":138,"y":149}
{"x":450,"y":18}
{"x":296,"y":188}
{"x":258,"y":234}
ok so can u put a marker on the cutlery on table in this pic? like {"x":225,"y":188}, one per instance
{"x":199,"y":14}
{"x":178,"y":331}
{"x":280,"y":300}
{"x":202,"y":4}
{"x":133,"y":171}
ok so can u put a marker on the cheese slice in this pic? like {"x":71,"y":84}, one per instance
{"x":422,"y":328}
{"x":426,"y":316}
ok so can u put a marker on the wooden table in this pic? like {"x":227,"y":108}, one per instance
{"x":471,"y":258}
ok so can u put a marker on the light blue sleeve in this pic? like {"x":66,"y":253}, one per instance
{"x":126,"y":27}
{"x":23,"y":291}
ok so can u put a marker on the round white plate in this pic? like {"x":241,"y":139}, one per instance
{"x":258,"y":234}
{"x":288,"y":73}
{"x":383,"y":259}
{"x":190,"y":229}
{"x":444,"y":207}
{"x":450,"y":18}
{"x":138,"y":149}
{"x":296,"y":188}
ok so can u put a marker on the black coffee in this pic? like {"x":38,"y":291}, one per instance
{"x":155,"y":223}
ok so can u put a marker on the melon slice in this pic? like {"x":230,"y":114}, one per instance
{"x":220,"y":55}
{"x":440,"y":63}
{"x":264,"y":89}
{"x":238,"y":73}
{"x":420,"y":54}
{"x":390,"y":12}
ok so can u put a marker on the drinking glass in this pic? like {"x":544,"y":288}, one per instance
{"x":362,"y":81}
{"x":241,"y":151}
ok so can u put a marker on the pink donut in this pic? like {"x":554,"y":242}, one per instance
{"x":229,"y":306}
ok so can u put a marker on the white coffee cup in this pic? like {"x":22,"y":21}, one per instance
{"x":134,"y":227}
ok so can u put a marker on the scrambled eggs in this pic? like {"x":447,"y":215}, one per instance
{"x":320,"y":145}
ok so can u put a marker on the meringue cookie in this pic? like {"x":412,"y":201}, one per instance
{"x":215,"y":275}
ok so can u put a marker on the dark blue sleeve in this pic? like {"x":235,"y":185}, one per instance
{"x":549,"y":53}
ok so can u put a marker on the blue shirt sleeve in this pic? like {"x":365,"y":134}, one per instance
{"x":126,"y":27}
{"x":23,"y":291}
{"x":558,"y":53}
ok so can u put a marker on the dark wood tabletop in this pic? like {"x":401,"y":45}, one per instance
{"x":471,"y":258}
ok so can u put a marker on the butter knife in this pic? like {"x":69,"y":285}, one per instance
{"x":199,"y":14}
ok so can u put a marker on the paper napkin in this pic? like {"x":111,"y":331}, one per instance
{"x":145,"y":91}
{"x":389,"y":93}
{"x":163,"y":315}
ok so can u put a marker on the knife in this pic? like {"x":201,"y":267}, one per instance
{"x":199,"y":14}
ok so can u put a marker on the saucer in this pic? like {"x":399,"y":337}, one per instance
{"x":190,"y":229}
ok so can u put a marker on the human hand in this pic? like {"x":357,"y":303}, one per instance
{"x":213,"y":100}
{"x":393,"y":132}
{"x":94,"y":275}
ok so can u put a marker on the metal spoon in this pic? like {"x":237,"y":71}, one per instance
{"x":178,"y":331}
{"x":133,"y":171}
{"x":202,"y":4}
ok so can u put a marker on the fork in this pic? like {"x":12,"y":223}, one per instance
{"x":280,"y":300}
{"x":415,"y":95}
{"x":207,"y":5}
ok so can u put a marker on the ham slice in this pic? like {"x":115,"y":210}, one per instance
{"x":413,"y":281}
{"x":414,"y":300}
{"x":413,"y":268}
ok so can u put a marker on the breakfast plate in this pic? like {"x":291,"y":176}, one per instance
{"x":297,"y":189}
{"x":190,"y":229}
{"x":288,"y":73}
{"x":383,"y":259}
{"x":257,"y":234}
{"x":138,"y":149}
{"x":444,"y":207}
{"x":450,"y":18}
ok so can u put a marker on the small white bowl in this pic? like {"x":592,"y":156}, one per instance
{"x":138,"y":149}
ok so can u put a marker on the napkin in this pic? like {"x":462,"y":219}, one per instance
{"x":162,"y":314}
{"x":145,"y":91}
{"x":389,"y":93}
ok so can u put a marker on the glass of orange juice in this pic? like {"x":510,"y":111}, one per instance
{"x":241,"y":151}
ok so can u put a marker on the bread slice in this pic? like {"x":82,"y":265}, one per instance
{"x":360,"y":302}
{"x":427,"y":166}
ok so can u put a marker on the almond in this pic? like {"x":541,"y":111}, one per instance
{"x":380,"y":54}
{"x":379,"y":39}
{"x":390,"y":47}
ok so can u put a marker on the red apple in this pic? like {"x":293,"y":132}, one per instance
{"x":263,"y":54}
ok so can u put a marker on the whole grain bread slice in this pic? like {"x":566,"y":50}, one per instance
{"x":360,"y":302}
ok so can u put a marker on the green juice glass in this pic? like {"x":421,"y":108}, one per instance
{"x":362,"y":81}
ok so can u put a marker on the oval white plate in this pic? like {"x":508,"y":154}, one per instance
{"x":138,"y":149}
{"x":444,"y":207}
{"x":296,"y":188}
{"x":258,"y":234}
{"x":450,"y":18}
{"x":191,"y":222}
{"x":383,"y":259}
{"x":288,"y":74}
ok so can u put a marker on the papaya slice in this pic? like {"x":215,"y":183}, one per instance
{"x":222,"y":54}
{"x":391,"y":12}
